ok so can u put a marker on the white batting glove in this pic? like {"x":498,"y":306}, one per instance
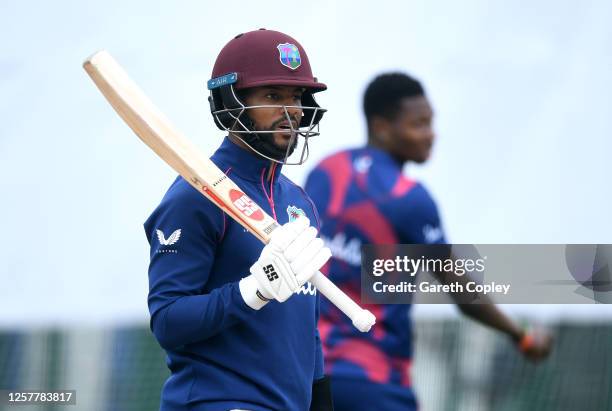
{"x":293,"y":255}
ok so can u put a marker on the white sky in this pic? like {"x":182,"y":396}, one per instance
{"x":522,"y":93}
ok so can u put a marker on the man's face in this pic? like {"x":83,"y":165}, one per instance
{"x":274,"y":118}
{"x":410,"y":133}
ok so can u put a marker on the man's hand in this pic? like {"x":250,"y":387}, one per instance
{"x":535,"y":345}
{"x":293,"y":255}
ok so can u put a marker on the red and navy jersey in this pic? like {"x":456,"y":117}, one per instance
{"x":222,"y":354}
{"x":363,"y":198}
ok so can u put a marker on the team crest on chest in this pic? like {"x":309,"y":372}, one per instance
{"x":289,"y":55}
{"x":293,"y":212}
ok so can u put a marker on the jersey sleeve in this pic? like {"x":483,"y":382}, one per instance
{"x":420,"y":221}
{"x":183,"y":233}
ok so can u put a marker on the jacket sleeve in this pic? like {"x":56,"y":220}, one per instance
{"x":183,"y":233}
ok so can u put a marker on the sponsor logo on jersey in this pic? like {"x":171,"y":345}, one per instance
{"x":174,"y":237}
{"x":345,"y":250}
{"x":294,"y":213}
{"x":289,"y":55}
{"x":166,"y":242}
{"x":307,"y":289}
{"x":245,"y":205}
{"x":432,"y":234}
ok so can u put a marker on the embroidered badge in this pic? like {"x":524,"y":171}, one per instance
{"x":289,"y":55}
{"x":293,"y":212}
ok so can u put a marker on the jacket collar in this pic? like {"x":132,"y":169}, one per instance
{"x":244,"y":163}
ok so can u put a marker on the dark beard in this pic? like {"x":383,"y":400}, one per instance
{"x":264,"y":143}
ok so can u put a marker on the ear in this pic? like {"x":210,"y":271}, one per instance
{"x":380,"y":130}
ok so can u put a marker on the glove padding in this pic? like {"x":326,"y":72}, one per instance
{"x":293,"y":255}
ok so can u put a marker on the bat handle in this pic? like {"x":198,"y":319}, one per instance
{"x":362,"y":319}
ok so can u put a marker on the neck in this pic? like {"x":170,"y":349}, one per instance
{"x":240,"y":143}
{"x":373,"y":142}
{"x":271,"y":169}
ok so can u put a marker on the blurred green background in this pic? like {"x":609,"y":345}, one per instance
{"x":459,"y":366}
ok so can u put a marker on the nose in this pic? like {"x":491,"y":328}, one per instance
{"x":293,"y":111}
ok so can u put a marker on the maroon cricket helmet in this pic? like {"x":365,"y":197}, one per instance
{"x":266,"y":58}
{"x":263,"y":58}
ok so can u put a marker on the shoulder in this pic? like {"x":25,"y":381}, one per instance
{"x":418,"y":192}
{"x":418,"y":216}
{"x":335,"y":169}
{"x":292,"y":188}
{"x":337,"y":159}
{"x":183,"y":203}
{"x":414,"y":195}
{"x":184,"y":196}
{"x":414,"y":205}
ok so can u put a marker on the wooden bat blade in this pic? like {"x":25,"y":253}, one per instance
{"x":155,"y":130}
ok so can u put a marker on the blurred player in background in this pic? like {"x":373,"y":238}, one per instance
{"x":215,"y":291}
{"x":363,"y":197}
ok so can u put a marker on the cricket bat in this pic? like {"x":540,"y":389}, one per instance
{"x":152,"y":127}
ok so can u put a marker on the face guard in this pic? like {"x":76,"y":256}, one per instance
{"x":230,"y":114}
{"x":265,"y":58}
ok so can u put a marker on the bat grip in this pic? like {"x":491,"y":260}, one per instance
{"x":362,"y":319}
